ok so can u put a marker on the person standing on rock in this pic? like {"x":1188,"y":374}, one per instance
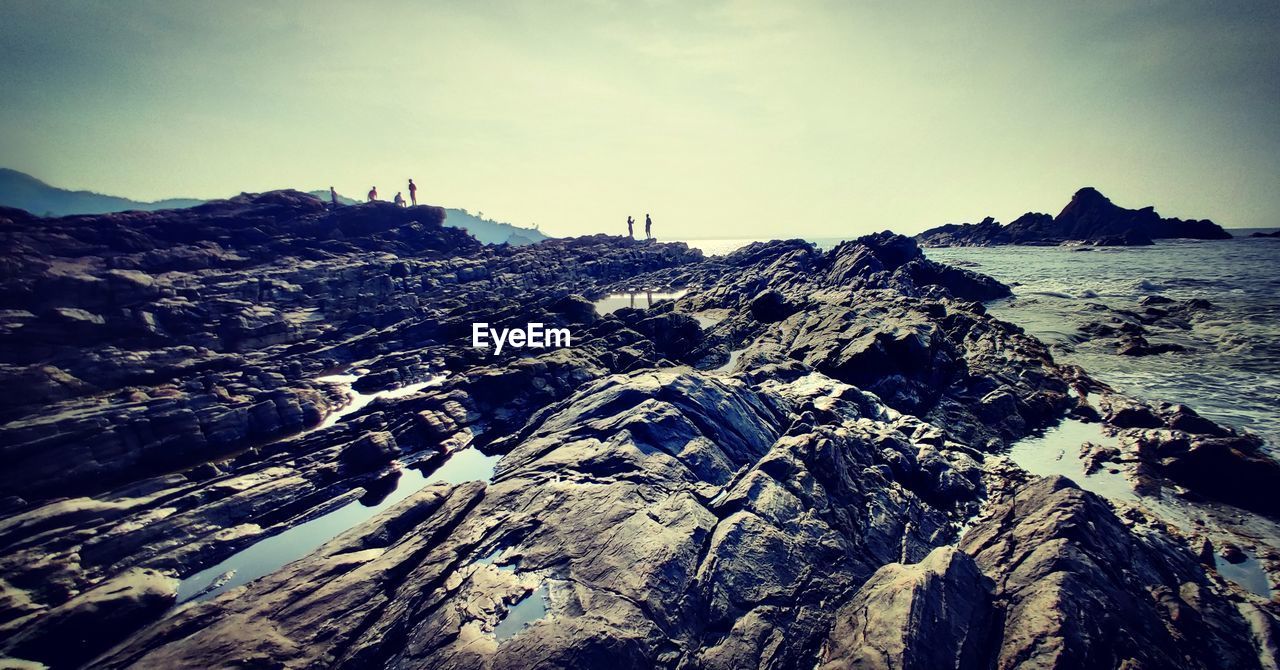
{"x":333,"y":197}
{"x":413,"y":193}
{"x":631,"y":223}
{"x":648,"y":227}
{"x":373,"y":194}
{"x":399,"y":200}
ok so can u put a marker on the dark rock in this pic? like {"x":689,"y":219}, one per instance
{"x":1122,"y":414}
{"x":1090,"y":217}
{"x":1185,"y":419}
{"x":370,"y":452}
{"x":988,"y":233}
{"x":934,"y":614}
{"x":575,"y":309}
{"x":91,"y":622}
{"x":770,"y":306}
{"x":1079,"y":590}
{"x":808,"y":498}
{"x":1230,"y":469}
{"x":1137,"y":345}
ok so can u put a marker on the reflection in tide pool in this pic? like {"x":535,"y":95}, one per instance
{"x":733,"y":360}
{"x":523,"y":613}
{"x":1056,"y":451}
{"x":1247,"y":573}
{"x":708,"y":319}
{"x":271,"y":554}
{"x":277,"y":551}
{"x":358,"y":401}
{"x":635,"y":299}
{"x":468,"y":465}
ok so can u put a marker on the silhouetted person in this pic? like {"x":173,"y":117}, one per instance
{"x":333,"y":196}
{"x":648,"y":227}
{"x":373,"y":194}
{"x":413,"y":193}
{"x":631,"y":223}
{"x":399,"y":200}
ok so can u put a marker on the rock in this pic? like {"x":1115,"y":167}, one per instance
{"x":1090,"y":217}
{"x":633,"y":549}
{"x":1054,"y":553}
{"x":674,"y":335}
{"x":1185,"y":419}
{"x":934,"y":614}
{"x":89,"y":623}
{"x":376,"y":381}
{"x":1137,"y":345}
{"x":370,"y":452}
{"x":1233,"y":554}
{"x":575,"y":309}
{"x":1123,"y":414}
{"x":640,"y":512}
{"x":1230,"y":469}
{"x":770,"y":306}
{"x":988,"y":233}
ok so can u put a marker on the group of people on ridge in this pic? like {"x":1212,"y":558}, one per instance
{"x":413,"y":198}
{"x":373,"y":196}
{"x":648,"y":227}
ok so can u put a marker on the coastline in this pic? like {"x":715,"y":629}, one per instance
{"x":791,"y":435}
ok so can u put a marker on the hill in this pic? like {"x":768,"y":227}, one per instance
{"x":23,"y":191}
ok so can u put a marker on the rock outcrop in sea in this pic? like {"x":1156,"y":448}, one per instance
{"x":797,"y":462}
{"x":1090,"y":218}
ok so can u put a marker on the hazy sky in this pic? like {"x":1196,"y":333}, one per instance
{"x":721,"y":119}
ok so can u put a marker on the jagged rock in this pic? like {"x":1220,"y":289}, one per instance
{"x":1137,"y":345}
{"x":370,"y":452}
{"x":933,"y":614}
{"x":770,"y":306}
{"x":575,"y":308}
{"x":1125,"y":414}
{"x":89,"y":623}
{"x":663,"y":515}
{"x":1089,"y":217}
{"x":1232,"y":469}
{"x":987,"y":233}
{"x":1080,"y":590}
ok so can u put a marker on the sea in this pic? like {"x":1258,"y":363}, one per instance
{"x":1230,"y":371}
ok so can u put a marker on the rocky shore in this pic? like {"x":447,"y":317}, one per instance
{"x":1090,"y":218}
{"x":799,"y":461}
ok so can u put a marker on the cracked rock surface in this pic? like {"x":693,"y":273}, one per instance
{"x":798,"y":462}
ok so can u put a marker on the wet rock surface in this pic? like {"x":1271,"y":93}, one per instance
{"x":230,"y":373}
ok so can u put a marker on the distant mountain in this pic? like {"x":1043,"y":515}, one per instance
{"x":1090,"y":217}
{"x":492,"y":232}
{"x":21,"y":190}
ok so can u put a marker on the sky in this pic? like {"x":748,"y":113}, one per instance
{"x":742,"y":118}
